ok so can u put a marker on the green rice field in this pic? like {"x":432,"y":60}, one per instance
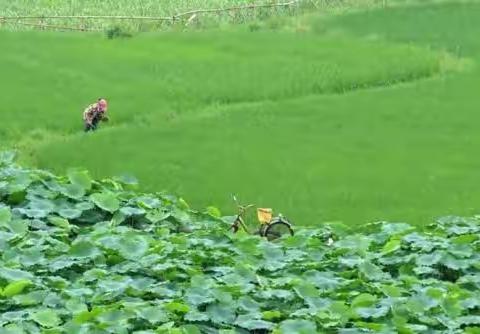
{"x":361,"y":116}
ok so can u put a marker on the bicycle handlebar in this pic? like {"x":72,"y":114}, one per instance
{"x":244,"y":208}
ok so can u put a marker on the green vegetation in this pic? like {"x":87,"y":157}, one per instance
{"x":86,"y":256}
{"x":186,"y":105}
{"x":335,"y":135}
{"x":169,"y":75}
{"x":351,"y":116}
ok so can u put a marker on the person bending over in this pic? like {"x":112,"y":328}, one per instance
{"x":95,"y":113}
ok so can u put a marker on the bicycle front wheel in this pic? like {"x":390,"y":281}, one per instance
{"x":237,"y":224}
{"x":277,"y":228}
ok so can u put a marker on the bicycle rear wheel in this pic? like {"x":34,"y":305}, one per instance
{"x":277,"y":228}
{"x":262,"y":229}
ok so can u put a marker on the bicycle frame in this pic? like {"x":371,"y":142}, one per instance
{"x":239,"y":219}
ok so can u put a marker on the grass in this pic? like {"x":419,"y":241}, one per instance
{"x":292,"y":121}
{"x":155,"y":78}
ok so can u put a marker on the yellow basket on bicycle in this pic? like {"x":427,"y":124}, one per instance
{"x":264,"y":215}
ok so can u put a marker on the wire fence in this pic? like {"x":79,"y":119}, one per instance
{"x":100,"y":22}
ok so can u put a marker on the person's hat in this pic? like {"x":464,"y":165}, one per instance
{"x":102,"y":104}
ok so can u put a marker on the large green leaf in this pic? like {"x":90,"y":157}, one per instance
{"x":461,"y":250}
{"x":80,"y":178}
{"x":42,"y":204}
{"x":12,"y":275}
{"x":221,"y":313}
{"x":126,"y":179}
{"x":271,"y":315}
{"x":19,"y":227}
{"x":198,"y":295}
{"x":12,"y":329}
{"x":298,"y":327}
{"x":39,"y":208}
{"x":454,"y":263}
{"x":5,"y":216}
{"x":31,"y":298}
{"x":85,"y":317}
{"x":469,"y":320}
{"x":190,"y":329}
{"x":60,"y":222}
{"x":253,"y":324}
{"x":133,"y":246}
{"x":132,"y":211}
{"x":7,"y":158}
{"x":177,"y":307}
{"x":307,"y":290}
{"x":429,"y":259}
{"x":396,"y":228}
{"x":249,"y":305}
{"x":372,"y":312}
{"x":156,"y":216}
{"x":73,"y":191}
{"x":70,"y":213}
{"x":193,"y":315}
{"x":323,"y":280}
{"x":153,"y":314}
{"x":19,"y":183}
{"x":46,"y":318}
{"x":84,"y":249}
{"x":391,"y":246}
{"x":364,"y":300}
{"x":84,"y":206}
{"x":214,"y":212}
{"x":75,"y":306}
{"x":15,"y":288}
{"x":148,"y":202}
{"x":356,"y":243}
{"x":422,"y":302}
{"x":371,"y":271}
{"x":115,"y":318}
{"x":106,"y":201}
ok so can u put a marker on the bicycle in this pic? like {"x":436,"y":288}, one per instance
{"x":270,"y":227}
